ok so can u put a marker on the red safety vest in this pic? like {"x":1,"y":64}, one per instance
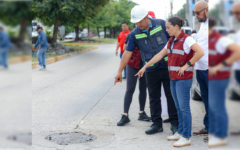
{"x":135,"y":59}
{"x":215,"y":58}
{"x":178,"y":58}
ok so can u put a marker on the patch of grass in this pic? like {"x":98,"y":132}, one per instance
{"x":79,"y":47}
{"x":106,"y":40}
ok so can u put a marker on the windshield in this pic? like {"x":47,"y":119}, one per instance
{"x":224,"y":32}
{"x":188,"y":32}
{"x":72,"y":34}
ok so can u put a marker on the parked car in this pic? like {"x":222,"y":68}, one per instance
{"x":71,"y":35}
{"x":34,"y":31}
{"x":187,"y":30}
{"x":195,"y":89}
{"x":82,"y":35}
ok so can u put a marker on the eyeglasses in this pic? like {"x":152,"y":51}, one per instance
{"x":236,"y":12}
{"x":198,"y":13}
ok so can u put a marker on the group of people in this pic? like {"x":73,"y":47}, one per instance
{"x":160,"y":53}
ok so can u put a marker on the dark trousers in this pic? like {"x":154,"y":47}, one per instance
{"x":131,"y":85}
{"x":237,"y":76}
{"x":202,"y":78}
{"x":154,"y":81}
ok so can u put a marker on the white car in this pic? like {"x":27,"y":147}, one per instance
{"x":71,"y":35}
{"x":187,"y":30}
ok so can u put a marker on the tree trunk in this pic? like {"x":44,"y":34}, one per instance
{"x":22,"y":30}
{"x":77,"y":32}
{"x":55,"y":31}
{"x":105,"y":32}
{"x":88,"y":31}
{"x":98,"y":32}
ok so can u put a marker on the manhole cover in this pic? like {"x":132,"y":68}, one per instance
{"x":22,"y":138}
{"x":70,"y":138}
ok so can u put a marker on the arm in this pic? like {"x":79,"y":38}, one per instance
{"x":198,"y":54}
{"x":235,"y":48}
{"x":154,"y":60}
{"x":124,"y":46}
{"x":124,"y":61}
{"x":117,"y":48}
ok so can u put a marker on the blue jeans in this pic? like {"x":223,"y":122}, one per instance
{"x":4,"y":57}
{"x":202,"y":78}
{"x":181,"y":95}
{"x":218,"y":124}
{"x":237,"y":76}
{"x":125,"y":74}
{"x":42,"y":57}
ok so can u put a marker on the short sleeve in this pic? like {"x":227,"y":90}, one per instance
{"x":189,"y":41}
{"x":119,"y":37}
{"x":131,"y":43}
{"x":126,"y":40}
{"x":166,"y":45}
{"x":222,"y":44}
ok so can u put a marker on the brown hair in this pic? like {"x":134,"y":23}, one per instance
{"x":212,"y":22}
{"x":177,"y":21}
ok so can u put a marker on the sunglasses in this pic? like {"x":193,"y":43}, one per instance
{"x":236,"y":12}
{"x":198,"y":13}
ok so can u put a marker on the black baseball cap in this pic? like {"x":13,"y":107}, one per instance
{"x":39,"y":27}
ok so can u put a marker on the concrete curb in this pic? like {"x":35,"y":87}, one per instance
{"x":62,"y":57}
{"x":19,"y":59}
{"x":86,"y":43}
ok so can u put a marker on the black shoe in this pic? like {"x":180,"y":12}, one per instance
{"x":143,"y":116}
{"x":154,"y":129}
{"x":166,"y":121}
{"x":124,"y":120}
{"x":124,"y":78}
{"x":174,"y":129}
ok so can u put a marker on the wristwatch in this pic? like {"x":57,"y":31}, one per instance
{"x":189,"y":63}
{"x":224,"y":63}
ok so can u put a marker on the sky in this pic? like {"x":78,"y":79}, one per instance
{"x":161,"y":8}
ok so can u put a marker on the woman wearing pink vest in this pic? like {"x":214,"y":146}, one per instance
{"x":180,"y":49}
{"x":220,"y":59}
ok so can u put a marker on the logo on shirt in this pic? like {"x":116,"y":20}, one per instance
{"x":181,"y":39}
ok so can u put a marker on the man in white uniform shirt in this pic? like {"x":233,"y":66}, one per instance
{"x":236,"y":65}
{"x":201,"y":66}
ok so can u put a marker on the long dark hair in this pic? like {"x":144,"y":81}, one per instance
{"x":177,"y":21}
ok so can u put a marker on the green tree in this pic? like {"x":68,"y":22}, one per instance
{"x":14,"y":13}
{"x":69,"y":12}
{"x":182,"y":12}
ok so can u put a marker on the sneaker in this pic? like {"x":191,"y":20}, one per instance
{"x":174,"y":137}
{"x":43,"y":68}
{"x":124,"y":78}
{"x":143,"y":116}
{"x":39,"y":66}
{"x":182,"y":142}
{"x":216,"y":142}
{"x":155,"y":128}
{"x":124,"y":120}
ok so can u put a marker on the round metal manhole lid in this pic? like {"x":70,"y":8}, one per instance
{"x":70,"y":138}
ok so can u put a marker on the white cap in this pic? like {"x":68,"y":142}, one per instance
{"x":138,"y":13}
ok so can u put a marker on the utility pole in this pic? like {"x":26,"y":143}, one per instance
{"x":171,"y":6}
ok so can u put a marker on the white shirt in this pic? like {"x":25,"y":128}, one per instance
{"x":189,"y":41}
{"x":236,"y":65}
{"x":222,"y":44}
{"x":202,"y":40}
